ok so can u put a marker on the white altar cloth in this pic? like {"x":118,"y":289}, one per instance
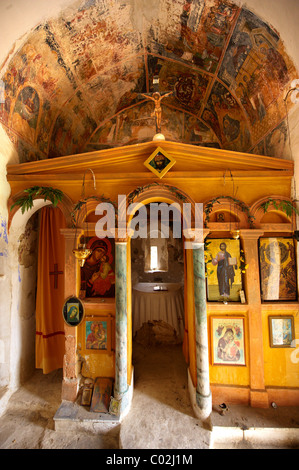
{"x":166,"y":305}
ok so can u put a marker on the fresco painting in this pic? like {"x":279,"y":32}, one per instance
{"x":259,"y":149}
{"x":27,"y":153}
{"x":277,"y":142}
{"x":136,"y":124}
{"x":53,"y":44}
{"x":115,"y":90}
{"x":104,"y":136}
{"x":225,"y":117}
{"x":196,"y":133}
{"x":72,"y":130}
{"x":31,"y":89}
{"x":203,"y":31}
{"x":92,"y":33}
{"x":257,"y":69}
{"x":74,"y":83}
{"x":25,"y":114}
{"x":244,"y":43}
{"x":44,"y":128}
{"x":173,"y":124}
{"x":189,"y":87}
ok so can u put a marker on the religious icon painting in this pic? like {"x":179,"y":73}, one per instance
{"x":73,"y":311}
{"x":114,"y":408}
{"x":98,"y":272}
{"x":278,"y":272}
{"x":224,"y":279}
{"x":281,"y":331}
{"x":96,"y":334}
{"x":86,"y":396}
{"x":159,"y":162}
{"x":228,"y":344}
{"x":101,"y":396}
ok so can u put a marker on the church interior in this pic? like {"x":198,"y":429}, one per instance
{"x":149,"y":180}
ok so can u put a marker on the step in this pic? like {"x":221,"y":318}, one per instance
{"x":73,"y":417}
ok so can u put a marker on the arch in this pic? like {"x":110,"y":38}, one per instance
{"x":89,"y":204}
{"x":17,"y":219}
{"x":20,"y":281}
{"x":236,"y":207}
{"x":274,"y":204}
{"x":158,"y":192}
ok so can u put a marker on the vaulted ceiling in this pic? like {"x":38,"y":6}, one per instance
{"x":76,"y":82}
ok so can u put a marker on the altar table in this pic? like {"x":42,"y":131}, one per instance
{"x":167,"y":305}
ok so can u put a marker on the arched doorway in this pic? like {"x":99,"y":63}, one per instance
{"x":25,"y":332}
{"x":158,"y":316}
{"x":157,"y":277}
{"x":194,"y":299}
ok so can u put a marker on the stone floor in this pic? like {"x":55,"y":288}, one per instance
{"x":161,"y":416}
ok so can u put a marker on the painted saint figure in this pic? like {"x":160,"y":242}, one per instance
{"x":228,"y":348}
{"x":157,"y":98}
{"x":97,"y":339}
{"x":97,"y":274}
{"x":159,"y":162}
{"x":73,"y":313}
{"x":225,"y":270}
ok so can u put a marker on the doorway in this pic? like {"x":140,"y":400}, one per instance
{"x":157,"y":277}
{"x":27,"y":334}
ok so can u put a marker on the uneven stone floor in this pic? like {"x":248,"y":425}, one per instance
{"x":161,"y":416}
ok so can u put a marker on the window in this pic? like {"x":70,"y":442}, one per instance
{"x":154,"y":258}
{"x":156,"y":255}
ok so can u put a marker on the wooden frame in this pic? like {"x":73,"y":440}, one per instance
{"x":96,"y":334}
{"x":159,"y":162}
{"x":228,"y":341}
{"x":224,"y":280}
{"x":281,"y":331}
{"x":278,"y":273}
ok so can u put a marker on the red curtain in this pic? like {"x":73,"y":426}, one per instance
{"x":50,"y":338}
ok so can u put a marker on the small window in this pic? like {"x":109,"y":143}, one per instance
{"x":156,"y":255}
{"x":154,"y":258}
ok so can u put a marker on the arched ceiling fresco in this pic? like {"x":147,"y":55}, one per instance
{"x":75,"y":84}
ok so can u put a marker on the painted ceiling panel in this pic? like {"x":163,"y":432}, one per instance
{"x":82,"y":81}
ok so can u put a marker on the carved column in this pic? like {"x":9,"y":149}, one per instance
{"x":258,"y":393}
{"x":203,"y":392}
{"x":70,"y":381}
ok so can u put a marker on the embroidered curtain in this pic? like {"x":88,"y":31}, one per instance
{"x":50,"y":338}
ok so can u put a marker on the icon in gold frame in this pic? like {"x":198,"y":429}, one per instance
{"x":159,"y":162}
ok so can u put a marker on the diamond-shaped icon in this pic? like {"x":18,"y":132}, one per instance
{"x":159,"y":162}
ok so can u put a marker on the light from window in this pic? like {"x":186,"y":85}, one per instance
{"x":154,"y":258}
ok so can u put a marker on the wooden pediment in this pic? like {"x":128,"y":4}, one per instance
{"x":201,"y":173}
{"x":190,"y":160}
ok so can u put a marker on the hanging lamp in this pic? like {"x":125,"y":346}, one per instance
{"x":83,"y":252}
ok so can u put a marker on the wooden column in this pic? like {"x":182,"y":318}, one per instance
{"x":258,"y":393}
{"x":70,"y":382}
